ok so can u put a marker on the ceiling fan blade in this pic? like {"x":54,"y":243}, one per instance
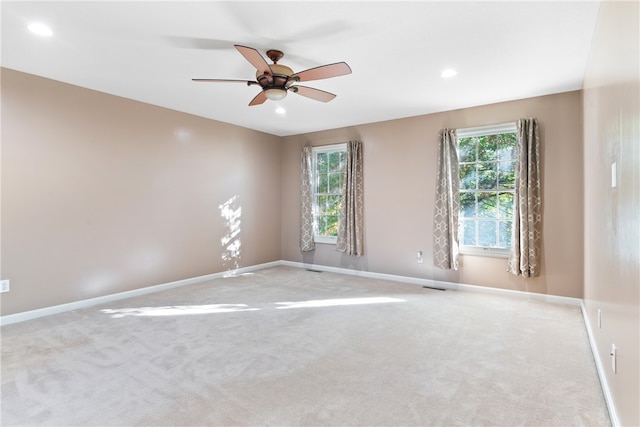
{"x":199,"y":43}
{"x":254,"y":57}
{"x":247,"y":82}
{"x":322,"y":72}
{"x":309,"y":92}
{"x":258,"y":99}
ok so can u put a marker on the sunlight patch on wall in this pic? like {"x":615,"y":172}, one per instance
{"x":182,"y":135}
{"x":231,"y":212}
{"x":99,"y":283}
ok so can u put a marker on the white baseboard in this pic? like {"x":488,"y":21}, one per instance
{"x":438,"y":284}
{"x":371,"y":275}
{"x":33,"y":314}
{"x":608,"y":397}
{"x":76,"y":305}
{"x":556,"y":299}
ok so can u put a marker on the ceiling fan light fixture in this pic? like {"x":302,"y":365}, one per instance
{"x":275,"y":94}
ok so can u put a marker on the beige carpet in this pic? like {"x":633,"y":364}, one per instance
{"x":289,"y":347}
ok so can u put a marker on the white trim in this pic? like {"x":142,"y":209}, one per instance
{"x":484,"y":251}
{"x":331,"y":148}
{"x":606,"y":391}
{"x":499,"y":128}
{"x":555,"y":299}
{"x":437,"y":283}
{"x":494,"y":129}
{"x":371,"y":275}
{"x":328,"y":240}
{"x":341,"y":146}
{"x":76,"y":305}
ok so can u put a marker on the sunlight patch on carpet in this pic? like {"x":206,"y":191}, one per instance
{"x":181,"y":310}
{"x":178,"y":310}
{"x":337,"y":302}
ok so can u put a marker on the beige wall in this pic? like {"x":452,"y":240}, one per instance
{"x":102,"y":194}
{"x":400,"y":170}
{"x":612,"y":215}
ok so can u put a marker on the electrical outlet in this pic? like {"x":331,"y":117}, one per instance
{"x":420,"y":259}
{"x":4,"y":286}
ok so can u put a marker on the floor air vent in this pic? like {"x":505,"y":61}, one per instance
{"x":434,"y":288}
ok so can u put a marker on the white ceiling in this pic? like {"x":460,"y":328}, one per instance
{"x":150,"y":50}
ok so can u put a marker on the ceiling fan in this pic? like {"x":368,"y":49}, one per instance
{"x":277,"y":79}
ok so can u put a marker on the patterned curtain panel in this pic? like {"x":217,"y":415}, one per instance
{"x":447,"y":205}
{"x":307,"y":230}
{"x":350,"y":227}
{"x":524,"y":256}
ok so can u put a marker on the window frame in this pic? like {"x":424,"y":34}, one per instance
{"x":496,"y":129}
{"x":331,"y":148}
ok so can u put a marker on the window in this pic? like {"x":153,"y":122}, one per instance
{"x":328,"y":175}
{"x":487,"y":159}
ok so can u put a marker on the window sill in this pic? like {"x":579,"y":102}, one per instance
{"x":325,"y":240}
{"x":488,"y":252}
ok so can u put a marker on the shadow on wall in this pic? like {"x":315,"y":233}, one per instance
{"x":231,"y":212}
{"x":326,"y":254}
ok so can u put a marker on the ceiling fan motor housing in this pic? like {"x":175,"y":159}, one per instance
{"x":278,"y":79}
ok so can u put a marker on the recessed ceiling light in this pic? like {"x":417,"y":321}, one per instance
{"x":40,"y":29}
{"x":448,"y":73}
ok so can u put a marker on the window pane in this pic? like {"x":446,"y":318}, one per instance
{"x":507,"y":146}
{"x":335,"y":163}
{"x":468,"y":176}
{"x":504,"y":234}
{"x":332,"y":226}
{"x":467,"y":205}
{"x":322,"y":225}
{"x":335,"y":183}
{"x":333,"y":205}
{"x":487,"y":176}
{"x":505,"y":209}
{"x":487,"y":233}
{"x":322,"y":205}
{"x":487,"y":205}
{"x":322,"y":162}
{"x":466,"y":150}
{"x":487,"y":147}
{"x":506,"y":175}
{"x":323,"y":183}
{"x":468,"y":233}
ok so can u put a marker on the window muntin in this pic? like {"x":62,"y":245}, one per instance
{"x":487,"y":159}
{"x":329,"y":164}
